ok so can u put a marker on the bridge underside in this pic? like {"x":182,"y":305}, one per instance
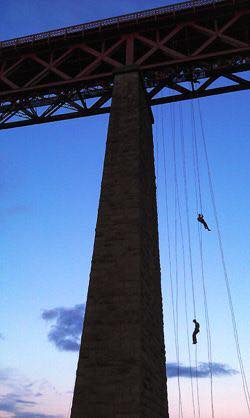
{"x":187,"y":52}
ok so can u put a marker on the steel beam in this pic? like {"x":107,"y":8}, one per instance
{"x":57,"y":75}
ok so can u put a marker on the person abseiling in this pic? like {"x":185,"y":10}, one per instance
{"x":202,"y":221}
{"x":196,"y":331}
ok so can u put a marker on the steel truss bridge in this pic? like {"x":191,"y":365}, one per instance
{"x":187,"y":50}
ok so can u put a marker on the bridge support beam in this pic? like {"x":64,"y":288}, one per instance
{"x":121,"y":370}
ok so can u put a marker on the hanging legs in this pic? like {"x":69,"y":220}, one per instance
{"x":196,"y":331}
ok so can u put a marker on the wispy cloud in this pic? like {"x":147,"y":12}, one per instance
{"x":9,"y":377}
{"x":7,"y":405}
{"x":11,"y":402}
{"x":22,"y":401}
{"x":65,"y":332}
{"x":20,"y":398}
{"x":203,"y":370}
{"x":34,"y":415}
{"x":19,"y":391}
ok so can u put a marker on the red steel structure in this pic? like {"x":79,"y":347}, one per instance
{"x":187,"y":50}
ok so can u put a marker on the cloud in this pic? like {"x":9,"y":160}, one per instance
{"x":34,"y":415}
{"x":25,"y":402}
{"x":66,"y":331}
{"x":20,"y":398}
{"x":17,"y":387}
{"x":11,"y":402}
{"x":9,"y":377}
{"x":7,"y":405}
{"x":203,"y":370}
{"x":5,"y":373}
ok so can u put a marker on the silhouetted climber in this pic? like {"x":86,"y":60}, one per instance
{"x":196,"y":331}
{"x":202,"y":221}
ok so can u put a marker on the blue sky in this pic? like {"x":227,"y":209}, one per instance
{"x":49,"y":189}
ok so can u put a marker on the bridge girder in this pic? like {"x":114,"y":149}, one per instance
{"x":183,"y":52}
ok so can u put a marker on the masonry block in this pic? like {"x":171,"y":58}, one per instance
{"x":121,"y":370}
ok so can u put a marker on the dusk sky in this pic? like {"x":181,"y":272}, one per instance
{"x":49,"y":188}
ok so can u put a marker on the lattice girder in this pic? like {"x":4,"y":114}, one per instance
{"x":205,"y":42}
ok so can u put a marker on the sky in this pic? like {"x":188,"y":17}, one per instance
{"x":49,"y":189}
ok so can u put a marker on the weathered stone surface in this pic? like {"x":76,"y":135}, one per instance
{"x":121,"y":370}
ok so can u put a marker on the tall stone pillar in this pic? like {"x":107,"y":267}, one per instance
{"x":121,"y":371}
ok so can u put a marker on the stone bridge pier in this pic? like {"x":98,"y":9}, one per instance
{"x":121,"y":370}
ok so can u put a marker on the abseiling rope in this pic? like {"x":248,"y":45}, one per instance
{"x":190,"y":265}
{"x":170,"y":262}
{"x":69,"y":408}
{"x":184,"y":170}
{"x":199,"y":204}
{"x":156,"y":150}
{"x":183,"y":254}
{"x":228,"y":287}
{"x":177,"y":204}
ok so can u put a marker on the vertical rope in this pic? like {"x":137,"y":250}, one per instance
{"x":207,"y":321}
{"x":190,"y":263}
{"x":187,"y":205}
{"x":175,"y":245}
{"x":198,"y":185}
{"x":196,"y":176}
{"x":69,"y":408}
{"x":195,"y":156}
{"x":156,"y":146}
{"x":226,"y":277}
{"x":157,"y":153}
{"x":170,"y":259}
{"x":197,"y":381}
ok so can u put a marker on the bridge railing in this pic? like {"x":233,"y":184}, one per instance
{"x":107,"y":22}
